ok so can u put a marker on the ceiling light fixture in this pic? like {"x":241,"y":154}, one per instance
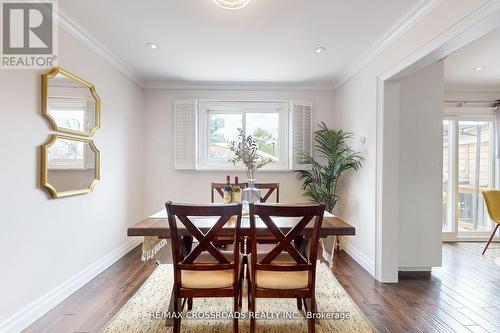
{"x":152,"y":45}
{"x":231,"y":4}
{"x":320,"y":49}
{"x":480,"y":68}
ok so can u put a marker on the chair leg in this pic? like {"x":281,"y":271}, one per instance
{"x":240,"y":294}
{"x":299,"y":303}
{"x":492,"y":235}
{"x":251,"y":303}
{"x":252,"y":314}
{"x":306,"y":307}
{"x":240,"y":285}
{"x":190,"y":304}
{"x":311,"y":322}
{"x":177,"y":321}
{"x":236,"y":309}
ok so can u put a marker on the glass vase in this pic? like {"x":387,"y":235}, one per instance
{"x":250,"y":194}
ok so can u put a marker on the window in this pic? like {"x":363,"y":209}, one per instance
{"x":204,"y":129}
{"x":67,"y":154}
{"x":468,"y":168}
{"x":219,"y":124}
{"x":69,"y":112}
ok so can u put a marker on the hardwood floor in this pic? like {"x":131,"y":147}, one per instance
{"x":462,"y":296}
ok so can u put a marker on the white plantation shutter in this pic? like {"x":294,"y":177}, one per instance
{"x":301,"y":132}
{"x":185,"y":134}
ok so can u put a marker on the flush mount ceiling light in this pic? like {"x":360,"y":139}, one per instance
{"x":152,"y":45}
{"x":480,"y":68}
{"x":231,"y":4}
{"x":320,"y":49}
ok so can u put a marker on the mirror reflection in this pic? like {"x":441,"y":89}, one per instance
{"x":71,"y":104}
{"x":71,"y":165}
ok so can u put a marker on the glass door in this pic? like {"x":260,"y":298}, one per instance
{"x":468,"y":168}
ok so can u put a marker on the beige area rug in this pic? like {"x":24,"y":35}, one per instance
{"x":153,"y":297}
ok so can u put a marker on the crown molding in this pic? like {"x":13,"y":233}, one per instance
{"x":81,"y":34}
{"x":407,"y":21}
{"x":227,"y":85}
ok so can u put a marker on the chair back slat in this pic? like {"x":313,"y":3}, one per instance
{"x":270,"y":187}
{"x":492,"y":200}
{"x":182,"y":213}
{"x":306,"y":213}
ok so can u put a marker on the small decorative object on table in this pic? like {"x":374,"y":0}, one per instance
{"x":228,"y":191}
{"x":236,"y":191}
{"x":245,"y":150}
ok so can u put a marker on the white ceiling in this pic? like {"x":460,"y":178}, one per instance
{"x":268,"y":40}
{"x":485,"y":51}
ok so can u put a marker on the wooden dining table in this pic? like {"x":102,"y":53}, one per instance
{"x":157,"y":225}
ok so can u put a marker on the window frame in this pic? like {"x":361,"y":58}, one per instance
{"x":455,"y":115}
{"x":205,"y":107}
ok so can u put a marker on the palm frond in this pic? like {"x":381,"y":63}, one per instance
{"x":319,"y":180}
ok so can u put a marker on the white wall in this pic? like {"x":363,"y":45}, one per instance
{"x":420,"y":156}
{"x":44,"y":242}
{"x":356,"y":110}
{"x":163,"y":182}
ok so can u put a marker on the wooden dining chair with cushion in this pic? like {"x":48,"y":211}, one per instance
{"x":492,"y":200}
{"x":284,"y":271}
{"x":205,"y":270}
{"x":270,"y":187}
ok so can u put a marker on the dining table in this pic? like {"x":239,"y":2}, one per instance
{"x":157,"y":225}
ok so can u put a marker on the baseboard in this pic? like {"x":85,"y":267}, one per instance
{"x":33,"y":311}
{"x":414,"y":272}
{"x":454,"y":238}
{"x":415,"y":269}
{"x":367,"y":263}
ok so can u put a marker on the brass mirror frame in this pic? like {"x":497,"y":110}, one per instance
{"x":45,"y":101}
{"x":44,"y":166}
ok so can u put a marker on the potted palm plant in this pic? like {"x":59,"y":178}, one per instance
{"x":321,"y":176}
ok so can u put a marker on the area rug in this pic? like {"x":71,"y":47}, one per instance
{"x":145,"y":311}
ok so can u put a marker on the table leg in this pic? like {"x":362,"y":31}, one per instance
{"x":339,"y":247}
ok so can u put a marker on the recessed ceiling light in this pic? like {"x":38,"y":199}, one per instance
{"x":231,"y":4}
{"x":480,"y":68}
{"x":320,"y":49}
{"x":152,"y":45}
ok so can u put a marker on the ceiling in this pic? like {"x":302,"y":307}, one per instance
{"x":268,"y":40}
{"x":483,"y":52}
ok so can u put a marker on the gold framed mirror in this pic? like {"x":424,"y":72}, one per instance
{"x":69,"y":103}
{"x":69,"y":166}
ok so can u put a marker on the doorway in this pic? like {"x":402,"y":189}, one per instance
{"x":468,"y":168}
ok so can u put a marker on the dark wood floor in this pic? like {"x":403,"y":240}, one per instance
{"x":462,"y":296}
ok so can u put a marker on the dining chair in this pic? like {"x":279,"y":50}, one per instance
{"x":285,"y":271}
{"x":205,"y":270}
{"x":270,"y":187}
{"x":492,"y":200}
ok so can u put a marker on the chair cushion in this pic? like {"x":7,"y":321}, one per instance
{"x":279,"y":280}
{"x":208,"y":279}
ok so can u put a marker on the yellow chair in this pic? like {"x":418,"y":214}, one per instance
{"x":492,"y":200}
